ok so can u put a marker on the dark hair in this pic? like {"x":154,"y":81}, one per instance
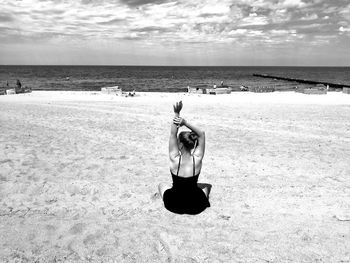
{"x":188,"y":139}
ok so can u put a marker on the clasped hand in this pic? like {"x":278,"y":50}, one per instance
{"x":178,"y":121}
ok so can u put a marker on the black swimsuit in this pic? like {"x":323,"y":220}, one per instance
{"x":185,"y":197}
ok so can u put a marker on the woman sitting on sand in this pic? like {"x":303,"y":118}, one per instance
{"x":186,"y":153}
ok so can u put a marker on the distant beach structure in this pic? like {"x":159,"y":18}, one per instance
{"x":346,"y":90}
{"x":315,"y":89}
{"x":219,"y":90}
{"x":205,"y":89}
{"x":10,"y":92}
{"x":198,"y":89}
{"x":262,"y":89}
{"x":112,"y":90}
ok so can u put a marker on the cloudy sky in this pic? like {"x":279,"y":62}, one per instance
{"x":175,"y":32}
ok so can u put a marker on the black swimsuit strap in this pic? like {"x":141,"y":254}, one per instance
{"x":194,"y":166}
{"x":178,"y":167}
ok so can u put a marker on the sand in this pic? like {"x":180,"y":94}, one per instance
{"x":79,"y":174}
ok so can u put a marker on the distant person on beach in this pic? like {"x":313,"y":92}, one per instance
{"x":18,"y":86}
{"x":186,"y":152}
{"x":132,"y":94}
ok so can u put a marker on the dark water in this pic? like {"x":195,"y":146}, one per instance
{"x":163,"y":79}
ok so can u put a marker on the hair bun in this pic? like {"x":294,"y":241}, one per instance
{"x":193,"y":136}
{"x":188,"y":139}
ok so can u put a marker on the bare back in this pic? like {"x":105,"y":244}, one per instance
{"x":183,"y":166}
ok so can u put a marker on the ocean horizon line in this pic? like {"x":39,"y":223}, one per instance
{"x":169,"y":66}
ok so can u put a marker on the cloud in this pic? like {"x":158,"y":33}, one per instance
{"x":5,"y":29}
{"x":49,"y":11}
{"x":150,"y":29}
{"x":309,"y":17}
{"x":345,"y":13}
{"x":171,"y":23}
{"x":6,"y":18}
{"x":112,"y":21}
{"x":254,"y":19}
{"x":281,"y":32}
{"x":136,"y":3}
{"x":292,"y":4}
{"x":209,"y":15}
{"x":344,"y":29}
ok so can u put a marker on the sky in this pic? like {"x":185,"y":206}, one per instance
{"x":184,"y":33}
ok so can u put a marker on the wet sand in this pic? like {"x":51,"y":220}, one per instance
{"x":79,"y":174}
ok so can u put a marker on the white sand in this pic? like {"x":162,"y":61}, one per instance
{"x":78,"y":173}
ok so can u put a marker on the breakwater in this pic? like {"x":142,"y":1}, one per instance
{"x":304,"y":81}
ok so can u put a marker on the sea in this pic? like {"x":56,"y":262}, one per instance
{"x":161,"y":78}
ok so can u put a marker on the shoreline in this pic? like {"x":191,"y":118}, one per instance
{"x":282,"y":97}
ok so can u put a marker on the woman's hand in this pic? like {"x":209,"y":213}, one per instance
{"x":177,"y":107}
{"x":178,"y":121}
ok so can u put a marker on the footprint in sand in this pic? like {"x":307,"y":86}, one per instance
{"x":224,"y":217}
{"x":163,"y":249}
{"x":168,"y":245}
{"x":125,"y":196}
{"x":50,"y":229}
{"x":77,"y":228}
{"x":6,"y":161}
{"x":92,"y":239}
{"x":155,"y":196}
{"x":3,"y":178}
{"x":342,"y":217}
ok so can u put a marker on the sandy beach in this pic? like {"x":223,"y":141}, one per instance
{"x":79,"y":174}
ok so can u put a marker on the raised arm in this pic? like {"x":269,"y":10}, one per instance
{"x":173,"y":146}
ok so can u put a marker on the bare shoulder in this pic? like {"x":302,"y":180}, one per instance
{"x":174,"y":157}
{"x":174,"y":162}
{"x":198,"y":160}
{"x":198,"y":155}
